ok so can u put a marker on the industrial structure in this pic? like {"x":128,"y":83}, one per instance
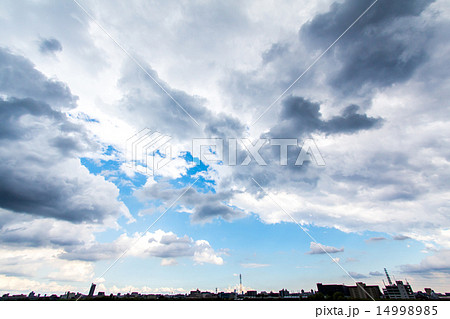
{"x":241,"y":291}
{"x":399,"y":290}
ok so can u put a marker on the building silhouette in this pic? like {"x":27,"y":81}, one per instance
{"x":92,"y":290}
{"x":330,"y":290}
{"x":362,"y":291}
{"x":399,"y":290}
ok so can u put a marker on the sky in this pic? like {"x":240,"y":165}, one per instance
{"x":360,"y":183}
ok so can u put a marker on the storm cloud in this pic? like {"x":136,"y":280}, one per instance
{"x":300,"y":117}
{"x":382,"y":48}
{"x":40,"y":147}
{"x":20,"y":79}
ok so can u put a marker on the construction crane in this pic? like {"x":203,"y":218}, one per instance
{"x":388,"y":278}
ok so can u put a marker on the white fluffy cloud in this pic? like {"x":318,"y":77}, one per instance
{"x":165,"y":245}
{"x":439,"y":262}
{"x":39,"y":269}
{"x":11,"y":284}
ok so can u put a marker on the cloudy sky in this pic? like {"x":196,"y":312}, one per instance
{"x":79,"y":78}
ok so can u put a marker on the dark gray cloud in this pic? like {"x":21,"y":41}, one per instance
{"x":209,"y":211}
{"x":224,"y":126}
{"x":16,"y":114}
{"x":381,"y":49}
{"x":48,"y":194}
{"x":13,"y":109}
{"x":29,"y":186}
{"x":40,"y":172}
{"x":376,"y":273}
{"x":20,"y":79}
{"x":300,"y":117}
{"x":328,"y":26}
{"x":50,"y":45}
{"x":350,"y":121}
{"x":384,"y":47}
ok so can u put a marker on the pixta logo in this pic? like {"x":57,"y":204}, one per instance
{"x":212,"y":150}
{"x":148,"y":151}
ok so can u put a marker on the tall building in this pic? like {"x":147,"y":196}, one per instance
{"x":92,"y":290}
{"x":399,"y":290}
{"x":241,"y":291}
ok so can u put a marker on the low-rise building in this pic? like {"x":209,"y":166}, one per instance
{"x":399,"y":290}
{"x":362,"y":291}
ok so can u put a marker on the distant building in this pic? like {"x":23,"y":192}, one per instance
{"x":195,"y":294}
{"x":399,"y":290}
{"x":306,"y":294}
{"x":283,"y":293}
{"x":431,"y":294}
{"x":273,"y":294}
{"x":362,"y":291}
{"x":207,"y":295}
{"x":92,"y":290}
{"x":68,"y":295}
{"x":227,"y":295}
{"x":330,"y":290}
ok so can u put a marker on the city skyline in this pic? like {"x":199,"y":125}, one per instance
{"x":397,"y":290}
